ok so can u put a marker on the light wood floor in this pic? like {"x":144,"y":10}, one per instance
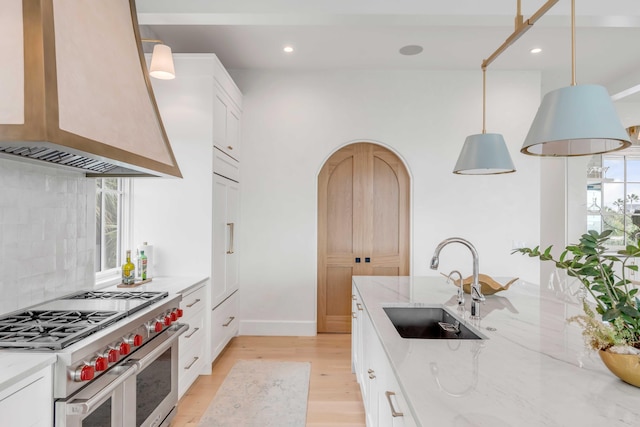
{"x":334,"y":395}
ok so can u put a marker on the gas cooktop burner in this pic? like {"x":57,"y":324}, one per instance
{"x":81,"y":318}
{"x":123,"y":295}
{"x":52,"y":329}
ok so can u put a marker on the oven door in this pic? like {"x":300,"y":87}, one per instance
{"x":151,"y":395}
{"x":101,"y":404}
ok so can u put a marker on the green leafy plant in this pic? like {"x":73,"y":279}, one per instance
{"x":615,"y":297}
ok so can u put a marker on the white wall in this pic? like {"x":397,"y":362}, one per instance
{"x":293,"y":121}
{"x":174,"y":215}
{"x":47,"y":233}
{"x":629,"y":111}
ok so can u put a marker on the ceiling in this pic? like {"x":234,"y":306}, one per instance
{"x":367,"y":34}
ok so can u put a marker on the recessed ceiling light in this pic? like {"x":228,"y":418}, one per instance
{"x":411,"y":49}
{"x":536,"y":50}
{"x":288,"y":49}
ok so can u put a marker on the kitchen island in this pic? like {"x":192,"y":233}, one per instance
{"x":532,"y":369}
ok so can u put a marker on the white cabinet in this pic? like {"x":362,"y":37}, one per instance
{"x":384,"y":403}
{"x":192,"y":353}
{"x":29,"y":402}
{"x":226,"y":111}
{"x":373,"y":373}
{"x":226,"y":206}
{"x":186,"y":219}
{"x":392,"y":406}
{"x":224,"y":324}
{"x":356,"y":333}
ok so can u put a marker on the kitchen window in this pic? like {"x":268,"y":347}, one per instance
{"x":113,"y":206}
{"x":613,"y":196}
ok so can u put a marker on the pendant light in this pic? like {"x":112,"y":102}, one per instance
{"x":161,"y":61}
{"x":484,"y":153}
{"x":577,"y":120}
{"x":487,"y":153}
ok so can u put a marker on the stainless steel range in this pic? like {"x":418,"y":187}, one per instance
{"x":116,"y":355}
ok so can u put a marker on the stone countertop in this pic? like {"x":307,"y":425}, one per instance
{"x":533,"y":370}
{"x":173,"y":285}
{"x":16,"y":366}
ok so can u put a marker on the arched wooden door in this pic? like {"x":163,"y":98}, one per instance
{"x":363,"y":226}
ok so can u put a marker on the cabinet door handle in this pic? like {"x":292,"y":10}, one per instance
{"x":193,"y":332}
{"x":394,"y":413}
{"x":354,"y":314}
{"x":372,"y":374}
{"x":228,"y":321}
{"x":193,"y":303}
{"x":229,"y":147}
{"x":353,"y":297}
{"x":195,"y":359}
{"x":231,"y":226}
{"x":359,"y":306}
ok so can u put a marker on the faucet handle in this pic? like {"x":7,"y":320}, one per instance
{"x":476,"y":294}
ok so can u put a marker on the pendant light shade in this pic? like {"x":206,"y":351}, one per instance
{"x":484,"y":154}
{"x":576,"y":120}
{"x":162,"y":63}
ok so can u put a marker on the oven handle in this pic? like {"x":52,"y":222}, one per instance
{"x":88,"y":405}
{"x":172,"y":335}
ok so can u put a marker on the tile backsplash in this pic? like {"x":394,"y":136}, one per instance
{"x":47,"y":233}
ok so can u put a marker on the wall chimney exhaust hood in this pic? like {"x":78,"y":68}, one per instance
{"x":74,"y":89}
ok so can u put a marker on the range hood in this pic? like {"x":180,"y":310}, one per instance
{"x":75,"y":92}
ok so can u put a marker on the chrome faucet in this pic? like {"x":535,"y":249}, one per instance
{"x":460,"y":288}
{"x":476,"y":294}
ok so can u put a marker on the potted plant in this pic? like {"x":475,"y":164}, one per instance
{"x":616,"y":333}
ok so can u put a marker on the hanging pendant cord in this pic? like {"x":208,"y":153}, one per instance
{"x":573,"y":42}
{"x":484,"y":98}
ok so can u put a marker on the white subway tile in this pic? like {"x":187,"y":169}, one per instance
{"x":45,"y":248}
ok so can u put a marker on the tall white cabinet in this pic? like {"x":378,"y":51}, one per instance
{"x":226,"y":224}
{"x":186,"y":219}
{"x":226,"y":215}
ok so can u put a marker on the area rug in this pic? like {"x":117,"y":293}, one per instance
{"x":259,"y":393}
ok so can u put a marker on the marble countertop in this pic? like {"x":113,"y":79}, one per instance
{"x":173,"y":285}
{"x":16,"y":366}
{"x":533,"y":370}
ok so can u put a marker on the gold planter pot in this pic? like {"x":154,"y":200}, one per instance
{"x":624,"y":366}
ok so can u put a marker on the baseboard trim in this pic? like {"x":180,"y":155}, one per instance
{"x":278,"y":328}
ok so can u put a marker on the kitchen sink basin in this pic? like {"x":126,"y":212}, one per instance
{"x":431,"y":323}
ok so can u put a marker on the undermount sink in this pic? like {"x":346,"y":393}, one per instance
{"x":432,"y":323}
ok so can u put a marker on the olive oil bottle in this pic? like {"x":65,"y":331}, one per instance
{"x":128,"y":271}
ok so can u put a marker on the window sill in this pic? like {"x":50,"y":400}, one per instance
{"x":107,"y":278}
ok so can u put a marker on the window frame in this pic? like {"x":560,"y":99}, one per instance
{"x":631,"y":153}
{"x":113,"y":275}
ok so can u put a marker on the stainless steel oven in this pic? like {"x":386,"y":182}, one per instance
{"x":141,"y":391}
